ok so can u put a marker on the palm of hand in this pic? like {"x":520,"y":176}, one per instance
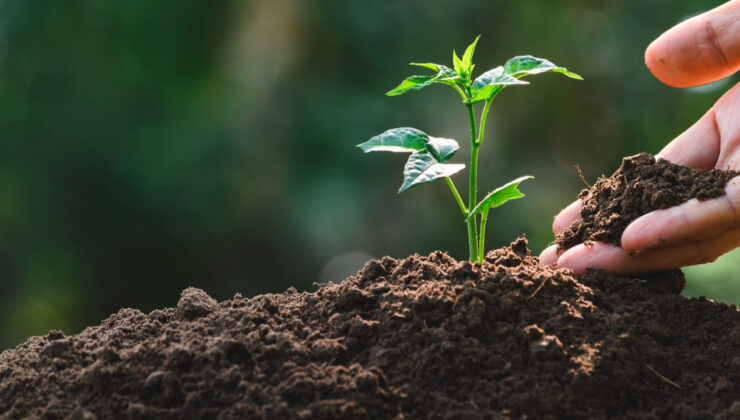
{"x":701,"y":50}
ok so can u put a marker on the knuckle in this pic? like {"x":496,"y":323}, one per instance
{"x":683,"y":215}
{"x":702,"y":254}
{"x":714,"y":42}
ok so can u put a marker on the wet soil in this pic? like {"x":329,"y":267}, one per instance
{"x":639,"y":186}
{"x":425,"y":337}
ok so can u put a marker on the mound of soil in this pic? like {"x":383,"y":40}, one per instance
{"x":424,"y":337}
{"x":639,"y":186}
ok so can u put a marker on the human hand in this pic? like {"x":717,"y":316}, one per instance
{"x":700,"y":50}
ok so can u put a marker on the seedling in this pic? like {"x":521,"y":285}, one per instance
{"x":429,"y":155}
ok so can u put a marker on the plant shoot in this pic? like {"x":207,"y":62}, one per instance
{"x":430,"y":155}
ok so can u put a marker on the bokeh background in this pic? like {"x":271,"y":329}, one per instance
{"x":150,"y":146}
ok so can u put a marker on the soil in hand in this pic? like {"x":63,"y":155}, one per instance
{"x":639,"y":186}
{"x":426,"y":337}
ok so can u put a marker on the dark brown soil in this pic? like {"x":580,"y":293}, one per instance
{"x":639,"y":186}
{"x":425,"y":337}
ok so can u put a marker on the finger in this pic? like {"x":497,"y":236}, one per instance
{"x":691,"y":220}
{"x":602,"y":255}
{"x":698,"y":147}
{"x":699,"y":50}
{"x":567,"y":216}
{"x":550,"y":255}
{"x":713,"y":141}
{"x":727,"y":116}
{"x":618,"y":261}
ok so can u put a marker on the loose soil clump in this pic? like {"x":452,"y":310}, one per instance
{"x":639,"y":186}
{"x":425,"y":337}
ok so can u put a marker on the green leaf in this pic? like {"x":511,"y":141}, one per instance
{"x":490,"y":83}
{"x":499,"y":196}
{"x":444,"y":74}
{"x":423,"y":167}
{"x":410,"y":84}
{"x":467,"y":58}
{"x":430,"y":66}
{"x":402,"y":139}
{"x":495,"y":76}
{"x":526,"y":64}
{"x":441,"y":149}
{"x":457,"y":64}
{"x":411,"y":140}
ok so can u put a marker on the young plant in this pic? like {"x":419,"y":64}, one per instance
{"x":429,"y":155}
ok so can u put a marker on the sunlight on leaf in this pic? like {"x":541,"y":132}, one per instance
{"x":490,"y":83}
{"x":442,"y":149}
{"x":422,"y":168}
{"x":499,"y":196}
{"x":526,"y":64}
{"x":430,"y":66}
{"x":411,"y":140}
{"x":402,"y":139}
{"x":467,"y":59}
{"x":410,"y":84}
{"x":444,"y":73}
{"x":457,"y":64}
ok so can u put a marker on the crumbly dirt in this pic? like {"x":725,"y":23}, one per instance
{"x":425,"y":337}
{"x":639,"y":186}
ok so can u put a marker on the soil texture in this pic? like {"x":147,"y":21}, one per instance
{"x":639,"y":186}
{"x":425,"y":337}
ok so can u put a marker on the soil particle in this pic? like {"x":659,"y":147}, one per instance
{"x":194,"y":303}
{"x":426,"y":337}
{"x":639,"y":186}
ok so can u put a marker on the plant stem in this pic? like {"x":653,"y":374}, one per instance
{"x":481,"y":246}
{"x":483,"y":116}
{"x":482,"y":232}
{"x":473,"y":190}
{"x":459,"y":200}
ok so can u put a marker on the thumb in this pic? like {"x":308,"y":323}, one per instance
{"x":700,"y":50}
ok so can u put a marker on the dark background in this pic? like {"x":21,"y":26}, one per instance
{"x":150,"y":146}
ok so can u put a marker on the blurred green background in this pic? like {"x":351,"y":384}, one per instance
{"x":150,"y":146}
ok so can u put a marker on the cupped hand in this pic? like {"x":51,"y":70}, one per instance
{"x":700,"y":50}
